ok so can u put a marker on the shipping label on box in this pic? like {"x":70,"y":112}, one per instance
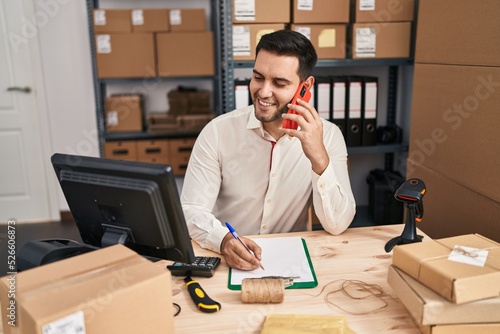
{"x":457,"y":281}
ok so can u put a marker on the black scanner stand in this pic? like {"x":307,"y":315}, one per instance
{"x":39,"y":252}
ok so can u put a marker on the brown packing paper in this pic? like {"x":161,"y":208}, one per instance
{"x":305,"y":324}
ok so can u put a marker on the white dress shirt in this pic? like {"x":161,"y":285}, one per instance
{"x":236,"y":174}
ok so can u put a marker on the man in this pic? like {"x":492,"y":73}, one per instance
{"x":261,"y":178}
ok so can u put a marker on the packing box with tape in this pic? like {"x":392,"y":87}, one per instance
{"x":461,"y":269}
{"x":110,"y":290}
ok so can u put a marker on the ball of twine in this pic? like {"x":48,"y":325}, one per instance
{"x":263,"y":290}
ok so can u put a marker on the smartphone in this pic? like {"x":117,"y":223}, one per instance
{"x":302,"y":93}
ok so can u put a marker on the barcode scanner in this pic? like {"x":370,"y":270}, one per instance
{"x":411,"y":193}
{"x":302,"y":93}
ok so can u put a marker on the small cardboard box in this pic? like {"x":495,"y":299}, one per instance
{"x":261,"y":11}
{"x":156,"y":151}
{"x":247,"y":36}
{"x":110,"y":290}
{"x":429,"y":263}
{"x":329,"y":40}
{"x":320,"y":11}
{"x":150,"y":20}
{"x":381,"y":40}
{"x":180,"y":152}
{"x":124,"y":113}
{"x":383,"y":10}
{"x":112,"y":20}
{"x":129,"y":55}
{"x":187,"y":20}
{"x":121,"y":150}
{"x":185,"y":54}
{"x":428,"y":308}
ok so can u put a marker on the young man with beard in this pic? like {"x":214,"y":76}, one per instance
{"x":261,"y":178}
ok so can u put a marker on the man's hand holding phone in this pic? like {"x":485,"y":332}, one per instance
{"x":302,"y":93}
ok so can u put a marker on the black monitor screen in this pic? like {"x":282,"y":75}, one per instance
{"x":132,"y":203}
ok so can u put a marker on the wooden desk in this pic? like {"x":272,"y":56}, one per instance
{"x":357,"y":254}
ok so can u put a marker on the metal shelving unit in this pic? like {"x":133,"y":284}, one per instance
{"x":100,"y":84}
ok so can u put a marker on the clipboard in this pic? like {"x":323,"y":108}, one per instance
{"x":287,"y":256}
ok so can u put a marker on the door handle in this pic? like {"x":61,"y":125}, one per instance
{"x":19,"y":89}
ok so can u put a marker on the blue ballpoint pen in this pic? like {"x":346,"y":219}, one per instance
{"x":235,"y":235}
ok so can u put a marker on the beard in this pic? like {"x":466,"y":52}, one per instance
{"x":276,"y":116}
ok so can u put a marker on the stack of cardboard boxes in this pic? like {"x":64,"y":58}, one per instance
{"x":382,"y":28}
{"x":324,"y":22}
{"x":449,"y":285}
{"x":251,"y":20}
{"x":149,"y":43}
{"x":138,"y":43}
{"x":454,"y":146}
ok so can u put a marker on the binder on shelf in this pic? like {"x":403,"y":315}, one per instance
{"x":369,"y":111}
{"x":242,"y":96}
{"x":323,"y":100}
{"x":353,"y":107}
{"x":338,"y":87}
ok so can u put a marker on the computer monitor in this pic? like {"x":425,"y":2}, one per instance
{"x":131,"y":203}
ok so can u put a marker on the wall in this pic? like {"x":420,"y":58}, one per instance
{"x":66,"y":66}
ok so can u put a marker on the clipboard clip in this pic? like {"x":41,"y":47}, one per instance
{"x":287,"y":280}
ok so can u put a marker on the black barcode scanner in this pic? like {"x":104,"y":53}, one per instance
{"x":411,"y":193}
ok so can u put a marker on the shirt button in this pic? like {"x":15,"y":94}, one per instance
{"x":269,"y":201}
{"x":322,"y":185}
{"x":264,"y":227}
{"x":273,"y":174}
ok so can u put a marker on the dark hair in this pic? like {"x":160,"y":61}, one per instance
{"x":291,"y":43}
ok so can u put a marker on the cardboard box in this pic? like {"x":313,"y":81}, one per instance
{"x":452,"y":209}
{"x":185,"y":54}
{"x":150,"y":20}
{"x":156,"y":151}
{"x":187,"y":20}
{"x":381,"y":40}
{"x":247,"y":36}
{"x":161,"y":122}
{"x":429,"y":263}
{"x":461,"y":329}
{"x":124,"y":113}
{"x":329,"y":40}
{"x":121,"y":150}
{"x":458,"y":32}
{"x":383,"y":11}
{"x":112,"y":20}
{"x":261,"y":11}
{"x":180,"y":152}
{"x":455,"y":125}
{"x":320,"y":11}
{"x":125,"y":55}
{"x":111,"y":290}
{"x":428,"y":308}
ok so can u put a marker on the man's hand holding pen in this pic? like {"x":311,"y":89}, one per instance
{"x":239,"y":257}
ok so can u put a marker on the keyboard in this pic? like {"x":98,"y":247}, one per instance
{"x":203,"y":266}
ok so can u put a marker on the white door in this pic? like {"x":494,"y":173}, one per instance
{"x":25,"y":193}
